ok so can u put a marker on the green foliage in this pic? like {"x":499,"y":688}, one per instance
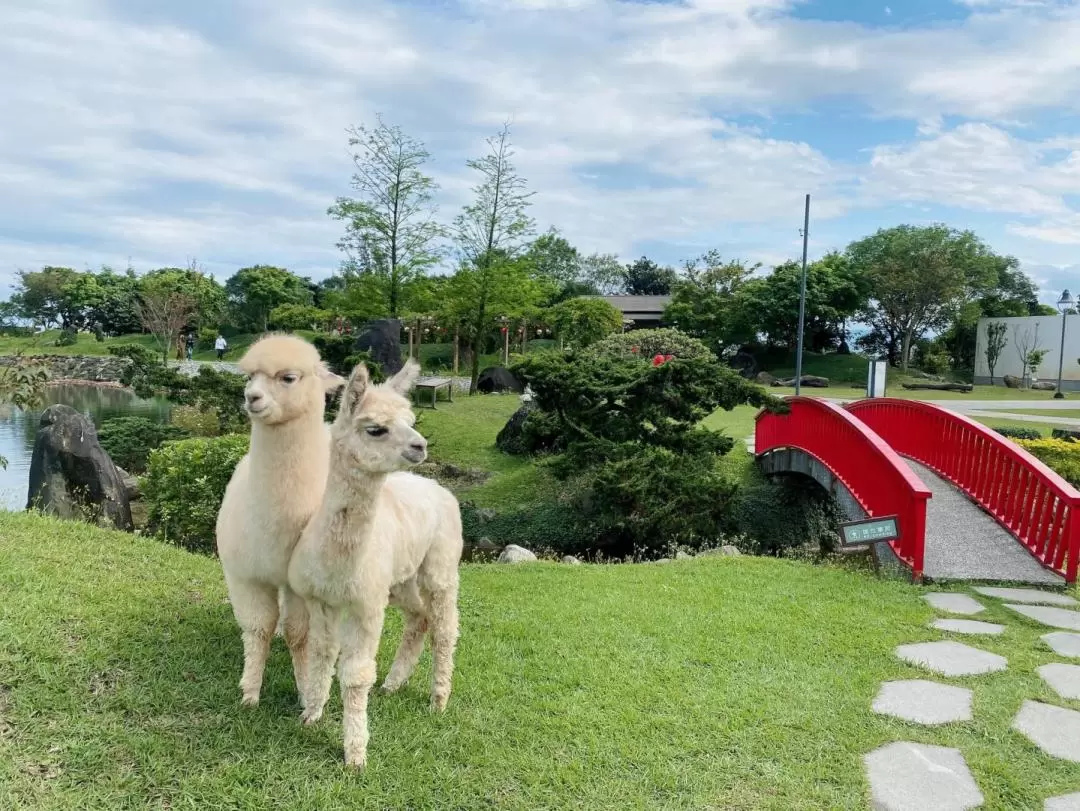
{"x":996,"y":341}
{"x":647,"y":343}
{"x":184,"y":486}
{"x":194,"y":421}
{"x":298,"y":316}
{"x":1018,"y":433}
{"x":551,"y":527}
{"x":129,"y":440}
{"x":206,"y":295}
{"x":1061,"y":456}
{"x":783,"y":513}
{"x":68,"y":337}
{"x":580,"y":322}
{"x":553,"y":257}
{"x":646,"y":278}
{"x":207,"y":336}
{"x":254,"y":292}
{"x":632,"y":434}
{"x":705,"y":303}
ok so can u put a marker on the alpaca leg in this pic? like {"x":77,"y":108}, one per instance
{"x":359,"y":644}
{"x":296,"y":637}
{"x":444,"y":635}
{"x":256,"y":609}
{"x":322,"y":650}
{"x":408,"y":652}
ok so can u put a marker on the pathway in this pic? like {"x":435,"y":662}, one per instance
{"x":905,"y":775}
{"x":964,"y":543}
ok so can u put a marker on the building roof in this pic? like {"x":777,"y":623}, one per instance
{"x":639,"y":305}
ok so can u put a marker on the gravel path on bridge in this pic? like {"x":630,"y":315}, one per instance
{"x":964,"y":543}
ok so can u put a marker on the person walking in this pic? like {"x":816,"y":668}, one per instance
{"x":190,"y":344}
{"x":220,"y":346}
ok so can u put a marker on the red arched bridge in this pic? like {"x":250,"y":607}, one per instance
{"x":969,"y":504}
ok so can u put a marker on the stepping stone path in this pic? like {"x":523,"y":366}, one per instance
{"x":955,"y":603}
{"x":1066,"y":802}
{"x":914,"y":776}
{"x":1055,"y":730}
{"x":1033,"y":596}
{"x":1063,"y":644}
{"x":951,"y":658}
{"x":923,"y":702}
{"x":1065,"y":679}
{"x":967,"y":627}
{"x":1054,"y":617}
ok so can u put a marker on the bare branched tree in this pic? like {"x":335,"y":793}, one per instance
{"x":1030,"y":352}
{"x":164,"y":314}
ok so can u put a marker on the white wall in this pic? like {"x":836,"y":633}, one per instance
{"x":1049,"y":327}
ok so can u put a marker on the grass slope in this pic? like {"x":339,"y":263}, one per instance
{"x":732,"y":683}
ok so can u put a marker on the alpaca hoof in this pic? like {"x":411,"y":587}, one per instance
{"x":250,"y":700}
{"x":438,"y":702}
{"x":356,"y":759}
{"x":391,"y":687}
{"x":309,"y":717}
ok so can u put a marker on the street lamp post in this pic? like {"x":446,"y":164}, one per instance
{"x":1065,"y":303}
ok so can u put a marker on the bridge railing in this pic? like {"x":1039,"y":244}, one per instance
{"x":878,"y":478}
{"x":1031,"y":501}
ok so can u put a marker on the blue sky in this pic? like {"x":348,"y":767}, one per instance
{"x":156,"y":134}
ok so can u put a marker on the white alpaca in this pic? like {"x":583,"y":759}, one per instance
{"x":380,"y":537}
{"x":273,"y":493}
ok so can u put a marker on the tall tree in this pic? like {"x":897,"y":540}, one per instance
{"x":255,"y":291}
{"x":490,"y":233}
{"x":646,"y":278}
{"x":555,"y":258}
{"x":392,"y":215}
{"x":605,"y":272}
{"x":996,"y":340}
{"x":164,"y":314}
{"x":705,"y":301}
{"x":52,"y":296}
{"x":918,"y":277}
{"x":207,"y":295}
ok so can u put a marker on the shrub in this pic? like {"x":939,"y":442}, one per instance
{"x":67,"y":337}
{"x":297,"y":316}
{"x":1018,"y":433}
{"x":207,"y":336}
{"x":652,"y":342}
{"x":1061,"y":456}
{"x":194,"y":421}
{"x":649,"y":474}
{"x":1067,"y":434}
{"x":547,"y":527}
{"x":129,"y":440}
{"x":184,"y":486}
{"x":785,"y":512}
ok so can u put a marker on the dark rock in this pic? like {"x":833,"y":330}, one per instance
{"x":765,"y":379}
{"x":382,"y":338}
{"x":71,"y":475}
{"x":498,"y":378}
{"x":1012,"y":381}
{"x":808,"y":381}
{"x":131,"y":484}
{"x":745,"y":364}
{"x":509,"y":438}
{"x":1044,"y":385}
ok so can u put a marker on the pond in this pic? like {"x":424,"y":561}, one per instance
{"x":18,"y":428}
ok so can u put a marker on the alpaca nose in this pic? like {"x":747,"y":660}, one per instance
{"x":419,"y":446}
{"x":254,"y":398}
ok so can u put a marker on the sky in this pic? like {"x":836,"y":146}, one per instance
{"x":154,"y":134}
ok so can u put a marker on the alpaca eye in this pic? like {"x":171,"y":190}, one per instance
{"x":290,"y":379}
{"x":376,"y":430}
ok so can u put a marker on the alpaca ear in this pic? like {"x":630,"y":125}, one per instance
{"x":354,"y":389}
{"x":404,"y":380}
{"x":330,"y":381}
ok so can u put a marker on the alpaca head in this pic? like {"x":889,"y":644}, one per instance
{"x":374,"y":427}
{"x":286,"y":380}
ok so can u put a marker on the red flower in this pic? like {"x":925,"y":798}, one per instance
{"x":502,"y":330}
{"x":635,"y":349}
{"x":669,"y":357}
{"x":657,"y":360}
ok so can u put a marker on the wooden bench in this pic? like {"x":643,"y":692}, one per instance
{"x":436,"y":383}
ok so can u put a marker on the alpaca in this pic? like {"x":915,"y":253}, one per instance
{"x":381,"y":536}
{"x":273,"y":493}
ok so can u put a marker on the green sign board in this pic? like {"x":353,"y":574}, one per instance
{"x":872,"y":530}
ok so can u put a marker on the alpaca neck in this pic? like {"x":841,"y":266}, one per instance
{"x":354,"y":494}
{"x":297,"y":449}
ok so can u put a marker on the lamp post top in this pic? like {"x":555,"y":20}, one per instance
{"x":1066,"y":301}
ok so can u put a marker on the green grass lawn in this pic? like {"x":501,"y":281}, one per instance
{"x":991,"y":422}
{"x":86,"y":344}
{"x":734,"y":683}
{"x":1062,"y":413}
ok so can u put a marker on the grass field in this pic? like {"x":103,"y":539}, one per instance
{"x":734,"y":683}
{"x":45,"y":344}
{"x":1061,"y":413}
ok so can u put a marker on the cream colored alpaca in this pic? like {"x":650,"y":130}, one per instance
{"x":380,"y":537}
{"x":273,"y":493}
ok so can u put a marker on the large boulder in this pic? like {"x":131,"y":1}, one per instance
{"x":1044,"y":385}
{"x":809,"y":381}
{"x":498,"y":378}
{"x":71,"y":475}
{"x":515,"y":554}
{"x":1012,"y":382}
{"x":382,"y":338}
{"x":745,"y":364}
{"x":510,"y":437}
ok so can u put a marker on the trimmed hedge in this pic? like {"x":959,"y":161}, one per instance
{"x":1061,"y":456}
{"x":184,"y":486}
{"x":1018,"y":433}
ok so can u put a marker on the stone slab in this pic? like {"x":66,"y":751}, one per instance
{"x":1032,"y":596}
{"x":1066,"y":802}
{"x":951,"y":658}
{"x":1055,"y":730}
{"x":1054,"y":617}
{"x":967,"y":626}
{"x":954,"y":603}
{"x":1065,"y":679}
{"x":1063,"y":643}
{"x":923,"y":702}
{"x":915,"y":777}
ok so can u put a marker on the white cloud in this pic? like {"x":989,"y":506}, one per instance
{"x":166,"y":139}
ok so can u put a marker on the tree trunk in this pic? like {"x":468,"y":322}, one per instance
{"x":960,"y":387}
{"x":457,"y":348}
{"x":474,"y":375}
{"x":906,"y":349}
